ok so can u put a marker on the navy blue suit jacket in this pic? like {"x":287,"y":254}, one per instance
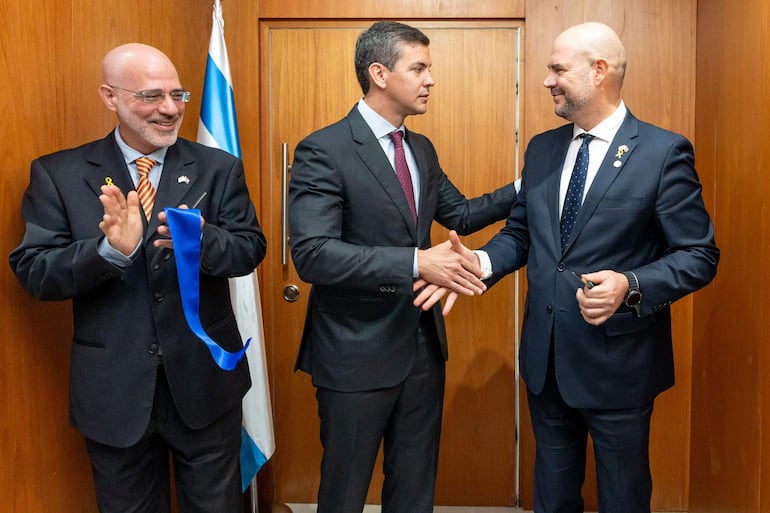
{"x":123,"y":315}
{"x":646,"y":216}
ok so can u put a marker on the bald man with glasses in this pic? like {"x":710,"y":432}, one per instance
{"x":142,"y":386}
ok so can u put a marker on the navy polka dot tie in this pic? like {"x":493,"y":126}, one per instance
{"x":574,"y":197}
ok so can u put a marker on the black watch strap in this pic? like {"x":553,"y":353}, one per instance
{"x":633,"y":283}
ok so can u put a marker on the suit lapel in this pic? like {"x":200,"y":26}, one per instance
{"x":554,"y":182}
{"x":370,"y":152}
{"x":110,"y":166}
{"x":179,"y":175}
{"x":613,"y":164}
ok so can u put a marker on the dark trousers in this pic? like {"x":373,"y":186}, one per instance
{"x":206,"y":464}
{"x":406,"y":417}
{"x":621,"y":451}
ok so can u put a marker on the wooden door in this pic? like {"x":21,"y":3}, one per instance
{"x":308,"y":81}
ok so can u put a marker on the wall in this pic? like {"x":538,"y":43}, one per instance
{"x":50,"y":56}
{"x":50,"y":63}
{"x":730,"y":470}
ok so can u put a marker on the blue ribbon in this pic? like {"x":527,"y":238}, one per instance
{"x":185,"y":227}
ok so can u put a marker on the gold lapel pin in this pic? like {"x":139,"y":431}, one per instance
{"x":108,"y":180}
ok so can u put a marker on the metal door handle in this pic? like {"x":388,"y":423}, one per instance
{"x":284,"y":203}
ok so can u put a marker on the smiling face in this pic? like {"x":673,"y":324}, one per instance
{"x":571,"y":81}
{"x":585,"y":73}
{"x":143,"y":126}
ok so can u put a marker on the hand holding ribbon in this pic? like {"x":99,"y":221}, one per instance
{"x":185,"y":228}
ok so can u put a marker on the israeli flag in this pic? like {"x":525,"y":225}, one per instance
{"x":218,"y":128}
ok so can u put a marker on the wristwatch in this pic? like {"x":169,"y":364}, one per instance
{"x":634,"y":295}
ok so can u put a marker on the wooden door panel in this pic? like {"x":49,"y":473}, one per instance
{"x":309,"y":82}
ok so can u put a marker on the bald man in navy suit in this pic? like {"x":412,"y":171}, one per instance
{"x":596,"y":344}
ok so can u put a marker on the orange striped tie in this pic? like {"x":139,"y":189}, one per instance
{"x":145,"y":189}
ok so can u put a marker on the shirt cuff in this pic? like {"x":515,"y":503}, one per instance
{"x":114,"y":256}
{"x":485,"y":263}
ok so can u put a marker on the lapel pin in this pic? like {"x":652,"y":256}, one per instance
{"x":108,"y":180}
{"x":183,"y":179}
{"x":621,"y":150}
{"x":617,"y":163}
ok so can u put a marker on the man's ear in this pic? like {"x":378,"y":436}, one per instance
{"x":601,"y":67}
{"x":109,"y":97}
{"x":377,"y":74}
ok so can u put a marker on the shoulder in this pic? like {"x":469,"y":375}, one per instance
{"x":649,"y":133}
{"x":546,"y":140}
{"x":81,"y":152}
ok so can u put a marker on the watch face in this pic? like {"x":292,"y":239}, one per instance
{"x":634,"y":297}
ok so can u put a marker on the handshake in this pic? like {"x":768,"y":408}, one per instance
{"x":447,"y":269}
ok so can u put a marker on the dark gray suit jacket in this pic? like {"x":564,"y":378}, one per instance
{"x":353,"y":238}
{"x":122,"y":316}
{"x":646,"y":216}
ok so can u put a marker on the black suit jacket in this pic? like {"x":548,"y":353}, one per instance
{"x":645,"y":215}
{"x":353,"y":238}
{"x":123,"y":315}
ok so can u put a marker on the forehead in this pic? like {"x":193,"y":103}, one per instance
{"x":565,"y":56}
{"x":151,"y":74}
{"x":411,"y":54}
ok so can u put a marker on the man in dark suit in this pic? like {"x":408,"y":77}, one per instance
{"x":141,"y":383}
{"x":362,"y":239}
{"x":595,"y":358}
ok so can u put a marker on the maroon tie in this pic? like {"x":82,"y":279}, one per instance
{"x":402,"y":171}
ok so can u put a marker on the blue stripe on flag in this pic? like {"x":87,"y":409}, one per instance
{"x":252,"y":459}
{"x":217,"y":110}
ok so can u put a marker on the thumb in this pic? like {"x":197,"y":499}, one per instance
{"x":454,"y":241}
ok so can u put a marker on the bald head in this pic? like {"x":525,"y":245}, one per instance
{"x":135,"y":61}
{"x":597,"y":41}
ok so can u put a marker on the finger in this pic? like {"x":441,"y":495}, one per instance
{"x":418,"y":284}
{"x":424,"y":295}
{"x":450,"y":302}
{"x":454,"y":240}
{"x":471,"y":281}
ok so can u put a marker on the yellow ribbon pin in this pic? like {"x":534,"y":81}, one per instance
{"x":108,"y":180}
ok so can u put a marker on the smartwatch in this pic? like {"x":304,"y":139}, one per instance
{"x":634,"y":295}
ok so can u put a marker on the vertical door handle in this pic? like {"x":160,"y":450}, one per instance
{"x":284,"y":204}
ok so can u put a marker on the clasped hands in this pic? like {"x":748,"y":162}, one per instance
{"x":447,"y":269}
{"x":122,"y":221}
{"x":450,"y":269}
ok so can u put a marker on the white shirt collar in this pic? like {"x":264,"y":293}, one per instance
{"x":379,"y":125}
{"x":608,"y":127}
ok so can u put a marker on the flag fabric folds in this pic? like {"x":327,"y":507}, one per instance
{"x":218,"y":128}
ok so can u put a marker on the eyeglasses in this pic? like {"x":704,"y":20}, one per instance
{"x":156,"y":95}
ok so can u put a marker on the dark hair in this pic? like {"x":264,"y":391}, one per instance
{"x":379,"y":43}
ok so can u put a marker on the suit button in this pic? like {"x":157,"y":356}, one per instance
{"x":561,"y":267}
{"x":158,"y":297}
{"x":156,"y":267}
{"x":549,"y":309}
{"x":152,"y":349}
